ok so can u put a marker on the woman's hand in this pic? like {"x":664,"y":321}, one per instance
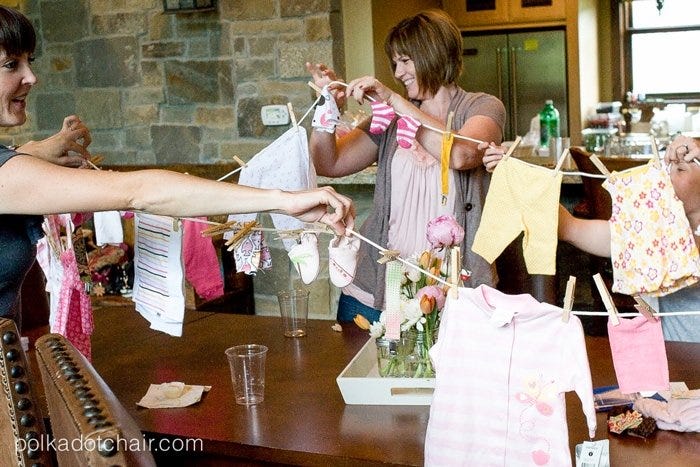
{"x":369,"y":86}
{"x":322,"y":75}
{"x":68,"y":147}
{"x":492,"y":155}
{"x":682,"y":148}
{"x":312,"y":206}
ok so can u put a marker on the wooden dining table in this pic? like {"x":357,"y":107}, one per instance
{"x":304,"y":419}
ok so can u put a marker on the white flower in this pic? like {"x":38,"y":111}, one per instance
{"x":411,"y":313}
{"x":420,"y":322}
{"x":376,"y":330}
{"x":412,"y":274}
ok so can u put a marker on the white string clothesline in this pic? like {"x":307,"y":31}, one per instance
{"x":467,"y":138}
{"x":456,"y":135}
{"x":385,"y":250}
{"x":443,"y":281}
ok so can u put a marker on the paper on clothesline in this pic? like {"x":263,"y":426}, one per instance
{"x":158,"y":273}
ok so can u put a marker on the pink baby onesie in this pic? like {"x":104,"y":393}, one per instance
{"x":652,"y":246}
{"x":503,"y":364}
{"x":202,"y":268}
{"x":74,"y":313}
{"x":639,"y":355}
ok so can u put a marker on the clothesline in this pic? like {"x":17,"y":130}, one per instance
{"x":437,"y":278}
{"x":443,"y":132}
{"x":467,"y":138}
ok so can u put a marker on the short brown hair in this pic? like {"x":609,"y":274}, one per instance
{"x":17,"y":35}
{"x":433,"y":41}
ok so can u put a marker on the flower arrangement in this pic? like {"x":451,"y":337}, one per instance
{"x":422,"y":299}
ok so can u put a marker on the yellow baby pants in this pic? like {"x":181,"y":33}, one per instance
{"x":522,"y":198}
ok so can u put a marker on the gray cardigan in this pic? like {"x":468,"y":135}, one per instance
{"x":471,"y":188}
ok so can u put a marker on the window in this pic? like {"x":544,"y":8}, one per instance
{"x":659,"y":58}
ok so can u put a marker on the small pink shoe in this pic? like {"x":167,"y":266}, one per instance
{"x":304,"y":256}
{"x":342,"y":260}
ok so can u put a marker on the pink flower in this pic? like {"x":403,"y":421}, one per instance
{"x":444,"y":231}
{"x":434,"y":292}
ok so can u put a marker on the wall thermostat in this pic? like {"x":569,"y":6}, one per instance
{"x":273,"y":115}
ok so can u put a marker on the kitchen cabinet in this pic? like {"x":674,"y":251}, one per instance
{"x":522,"y":69}
{"x":469,"y":13}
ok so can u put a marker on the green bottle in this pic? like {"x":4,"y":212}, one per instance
{"x":549,"y":123}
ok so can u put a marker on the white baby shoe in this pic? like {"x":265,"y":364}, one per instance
{"x":342,"y":260}
{"x":304,"y":257}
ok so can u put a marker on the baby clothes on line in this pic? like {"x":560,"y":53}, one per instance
{"x":382,"y":115}
{"x":521,"y":198}
{"x":158,"y":276}
{"x":284,"y":165}
{"x":74,"y":313}
{"x":639,"y":355}
{"x":326,"y":116}
{"x":202,"y":269}
{"x":503,"y":364}
{"x":406,"y":129}
{"x":652,"y":245}
{"x":108,"y":228}
{"x":252,"y":253}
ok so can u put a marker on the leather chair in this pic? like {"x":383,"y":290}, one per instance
{"x":22,"y":429}
{"x":82,"y":407}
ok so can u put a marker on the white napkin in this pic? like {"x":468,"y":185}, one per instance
{"x":173,"y":394}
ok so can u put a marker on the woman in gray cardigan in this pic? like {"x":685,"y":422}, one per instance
{"x":425,"y":52}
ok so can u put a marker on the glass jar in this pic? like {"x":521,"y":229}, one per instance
{"x":392,"y":354}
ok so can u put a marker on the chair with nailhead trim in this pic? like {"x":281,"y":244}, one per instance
{"x":84,"y":410}
{"x":23,"y":435}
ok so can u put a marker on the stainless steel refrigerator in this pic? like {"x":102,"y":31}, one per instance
{"x":523,"y":69}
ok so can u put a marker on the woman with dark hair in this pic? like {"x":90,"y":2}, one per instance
{"x":425,"y":52}
{"x":31,"y":186}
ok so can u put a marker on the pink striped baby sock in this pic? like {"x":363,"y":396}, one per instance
{"x":382,"y":115}
{"x":407,"y":127}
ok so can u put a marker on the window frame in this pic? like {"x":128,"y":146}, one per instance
{"x":622,"y":35}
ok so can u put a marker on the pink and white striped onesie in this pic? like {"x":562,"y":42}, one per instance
{"x":503,"y":364}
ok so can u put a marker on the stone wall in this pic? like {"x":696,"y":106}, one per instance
{"x":159,"y":88}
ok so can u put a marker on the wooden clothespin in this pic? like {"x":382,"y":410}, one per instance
{"x":655,"y":160}
{"x":607,"y":299}
{"x":455,"y":267}
{"x":569,"y":298}
{"x":560,"y":162}
{"x":240,"y":161}
{"x":291,"y":115}
{"x":599,"y":164}
{"x":512,"y":147}
{"x":644,"y":308}
{"x":388,"y":255}
{"x":445,"y":151}
{"x":232,"y":242}
{"x":313,"y":86}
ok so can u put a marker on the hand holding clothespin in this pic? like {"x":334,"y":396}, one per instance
{"x":644,"y":308}
{"x":607,"y":300}
{"x":512,"y":147}
{"x":569,"y":298}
